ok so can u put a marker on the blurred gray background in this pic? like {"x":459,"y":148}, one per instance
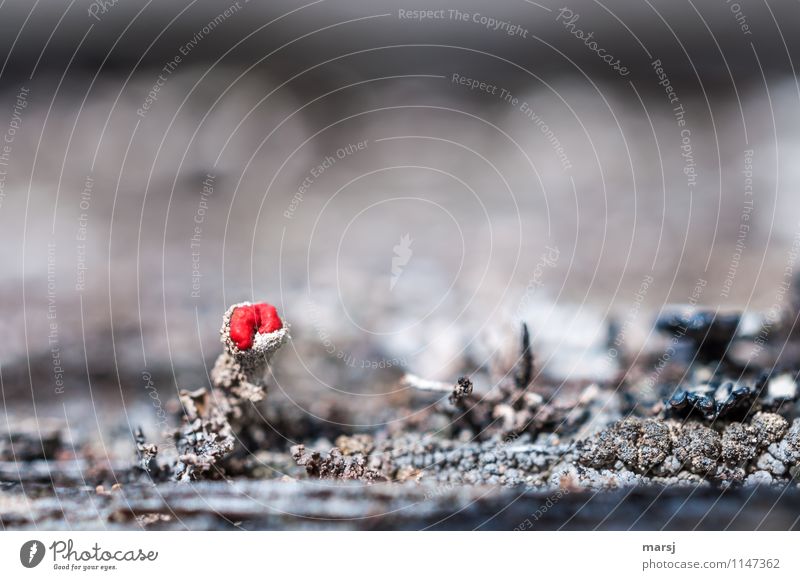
{"x":398,"y":218}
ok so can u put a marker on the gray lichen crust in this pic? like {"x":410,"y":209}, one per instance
{"x":497,"y":461}
{"x":664,"y":451}
{"x":632,"y":451}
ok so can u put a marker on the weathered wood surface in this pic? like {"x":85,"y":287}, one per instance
{"x":250,"y":504}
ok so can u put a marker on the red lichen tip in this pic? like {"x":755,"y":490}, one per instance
{"x":248,"y":319}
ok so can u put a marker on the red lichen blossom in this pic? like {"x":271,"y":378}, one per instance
{"x":247,"y":319}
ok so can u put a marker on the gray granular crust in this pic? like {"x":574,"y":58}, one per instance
{"x":739,"y":443}
{"x":787,"y":450}
{"x":414,"y":457}
{"x":669,"y":452}
{"x":769,"y":463}
{"x":698,"y":448}
{"x":769,"y":428}
{"x":639,"y":444}
{"x":352,"y":444}
{"x":335,"y":464}
{"x":642,"y":445}
{"x":630,"y":452}
{"x":626,"y":441}
{"x":742,"y":442}
{"x":655,"y":444}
